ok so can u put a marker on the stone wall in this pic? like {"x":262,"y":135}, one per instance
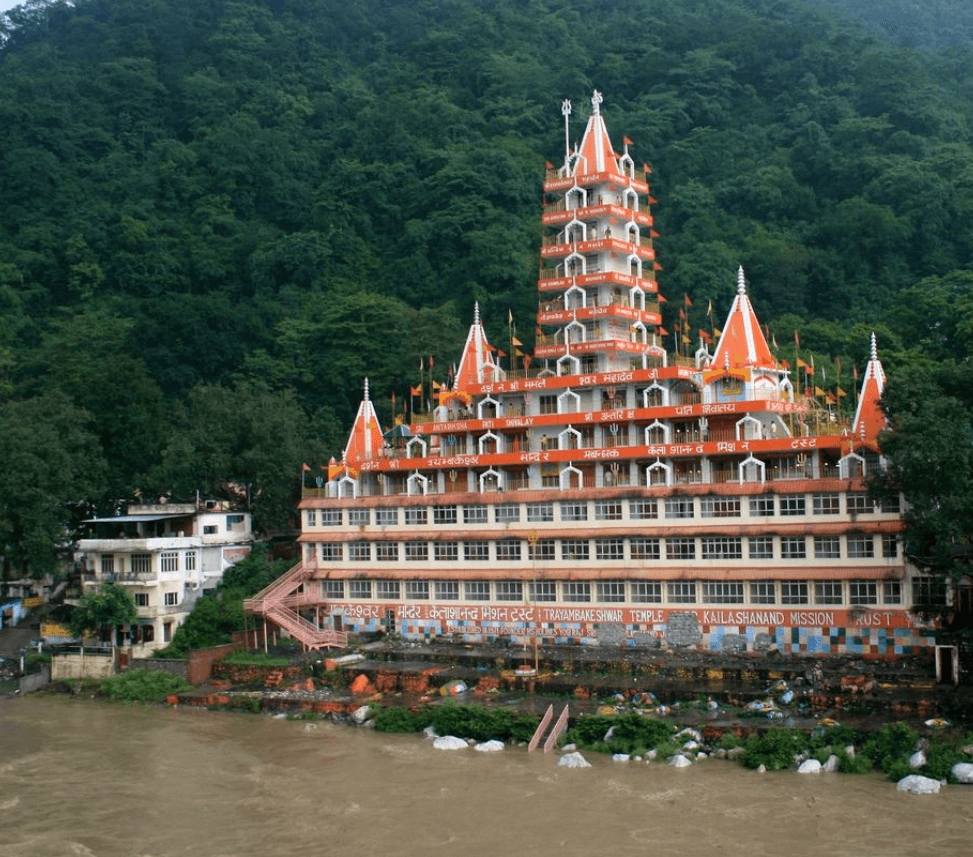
{"x":176,"y":666}
{"x":82,"y":665}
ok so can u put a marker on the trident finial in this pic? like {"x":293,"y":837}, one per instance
{"x":566,"y":107}
{"x":741,"y":282}
{"x":596,"y":100}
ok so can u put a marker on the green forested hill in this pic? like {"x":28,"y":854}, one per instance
{"x":217,"y":217}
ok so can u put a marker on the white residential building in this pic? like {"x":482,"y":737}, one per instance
{"x":166,"y":555}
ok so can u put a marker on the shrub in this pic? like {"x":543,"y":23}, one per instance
{"x":400,"y":720}
{"x":940,"y":759}
{"x":259,"y":659}
{"x":775,"y":750}
{"x":630,"y":733}
{"x":483,"y":724}
{"x":143,"y":685}
{"x":890,"y":748}
{"x":848,"y":764}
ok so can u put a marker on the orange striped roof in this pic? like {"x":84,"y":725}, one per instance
{"x":365,"y":440}
{"x":742,"y":342}
{"x":869,"y":417}
{"x":595,"y":154}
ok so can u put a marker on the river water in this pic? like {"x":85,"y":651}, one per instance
{"x":80,"y":777}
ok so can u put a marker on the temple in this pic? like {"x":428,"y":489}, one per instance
{"x":621,"y":486}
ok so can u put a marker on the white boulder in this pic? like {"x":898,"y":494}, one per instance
{"x":810,"y":766}
{"x":621,"y":757}
{"x":680,"y":761}
{"x":831,"y":764}
{"x":917,"y":759}
{"x":573,"y":760}
{"x":361,"y":714}
{"x":963,"y":771}
{"x":449,"y":742}
{"x":916,"y":784}
{"x":489,"y":746}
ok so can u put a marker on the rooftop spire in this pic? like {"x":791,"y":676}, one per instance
{"x":869,"y":416}
{"x":742,"y":342}
{"x":596,"y":153}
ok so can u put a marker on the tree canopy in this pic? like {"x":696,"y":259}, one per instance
{"x":217,"y":217}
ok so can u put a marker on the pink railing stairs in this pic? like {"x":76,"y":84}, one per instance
{"x":277,"y":603}
{"x":559,"y":728}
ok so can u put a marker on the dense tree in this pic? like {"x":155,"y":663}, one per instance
{"x":101,"y":610}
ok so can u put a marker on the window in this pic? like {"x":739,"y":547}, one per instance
{"x":577,"y":591}
{"x":721,"y":547}
{"x":890,"y":546}
{"x":387,"y":551}
{"x":862,"y":592}
{"x":359,"y":589}
{"x":540,"y":513}
{"x":171,"y":599}
{"x":678,"y":547}
{"x":510,"y":590}
{"x":387,"y":517}
{"x":359,"y":551}
{"x":761,"y":547}
{"x":333,"y":588}
{"x":828,"y":592}
{"x":793,"y":547}
{"x":826,"y":504}
{"x":827,"y":547}
{"x":643,"y":509}
{"x":416,"y":551}
{"x":446,"y":551}
{"x":311,"y":517}
{"x":447,"y":590}
{"x":644,"y":548}
{"x":679,"y":507}
{"x":542,"y":590}
{"x":208,"y":530}
{"x":507,"y":513}
{"x":417,"y":590}
{"x":330,"y":517}
{"x":475,"y":514}
{"x":444,"y":515}
{"x":189,"y":558}
{"x":543,"y":549}
{"x":646,"y":592}
{"x":890,"y":505}
{"x":508,"y":550}
{"x":860,"y":546}
{"x":762,"y":506}
{"x":928,"y":591}
{"x":609,"y":549}
{"x":610,"y":591}
{"x":763,"y":592}
{"x":416,"y":516}
{"x":574,"y":549}
{"x":141,"y":599}
{"x":891,"y":592}
{"x":234,"y":523}
{"x":681,"y":592}
{"x":359,"y":517}
{"x":387,"y":589}
{"x":108,"y":563}
{"x":331,"y":553}
{"x":719,"y":507}
{"x":722,"y":592}
{"x":170,"y":560}
{"x":608,"y":510}
{"x":476,"y":590}
{"x":793,"y":505}
{"x":548,"y":403}
{"x":859,"y":504}
{"x":141,"y":563}
{"x":574,"y":511}
{"x":793,"y":592}
{"x":167,"y":632}
{"x":476,"y":551}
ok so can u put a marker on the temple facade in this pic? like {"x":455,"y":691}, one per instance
{"x":609,"y":489}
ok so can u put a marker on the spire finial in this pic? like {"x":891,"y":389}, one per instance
{"x":874,"y":347}
{"x":741,"y":282}
{"x":596,"y":100}
{"x":476,"y":313}
{"x":366,"y":389}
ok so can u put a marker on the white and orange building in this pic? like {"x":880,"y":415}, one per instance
{"x":607,"y":491}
